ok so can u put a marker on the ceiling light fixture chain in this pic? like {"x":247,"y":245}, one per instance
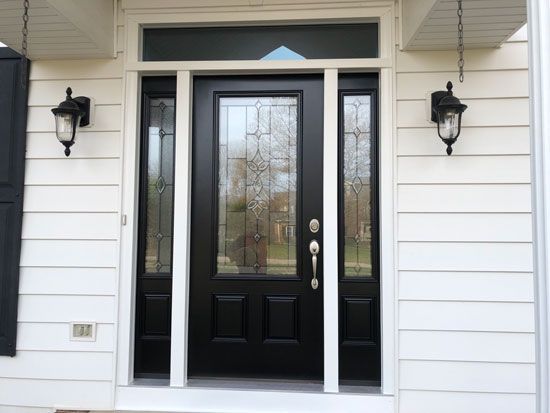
{"x":460,"y":47}
{"x":24,"y":43}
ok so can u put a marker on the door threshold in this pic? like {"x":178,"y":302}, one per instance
{"x":256,"y":384}
{"x":259,"y":384}
{"x":145,"y":382}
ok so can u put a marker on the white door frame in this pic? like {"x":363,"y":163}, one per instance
{"x":129,"y":395}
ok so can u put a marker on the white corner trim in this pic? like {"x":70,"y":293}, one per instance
{"x":539,"y":91}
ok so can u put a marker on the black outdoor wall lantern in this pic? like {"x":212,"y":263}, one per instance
{"x":69,"y":115}
{"x":447,"y":112}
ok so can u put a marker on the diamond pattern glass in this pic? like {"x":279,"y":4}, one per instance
{"x":257,"y":185}
{"x":160,"y":184}
{"x":357,"y":186}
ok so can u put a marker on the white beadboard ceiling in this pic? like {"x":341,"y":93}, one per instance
{"x":432,"y":24}
{"x":65,"y":29}
{"x":60,"y":29}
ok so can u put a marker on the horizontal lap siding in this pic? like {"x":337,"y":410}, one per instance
{"x":414,"y":401}
{"x":466,"y":326}
{"x":69,"y":259}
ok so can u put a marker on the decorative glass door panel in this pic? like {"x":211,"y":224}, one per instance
{"x":357,"y":186}
{"x":257,"y":155}
{"x":160,"y":184}
{"x":256,"y":185}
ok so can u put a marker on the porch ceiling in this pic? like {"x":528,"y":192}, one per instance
{"x":432,"y":24}
{"x":65,"y":29}
{"x":60,"y":29}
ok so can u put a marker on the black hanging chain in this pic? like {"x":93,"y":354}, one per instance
{"x":460,"y":47}
{"x":24,"y":43}
{"x":25,"y":30}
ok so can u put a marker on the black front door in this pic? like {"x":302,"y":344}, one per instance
{"x":256,"y":186}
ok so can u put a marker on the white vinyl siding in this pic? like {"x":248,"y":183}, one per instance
{"x":466,"y":324}
{"x":69,"y":256}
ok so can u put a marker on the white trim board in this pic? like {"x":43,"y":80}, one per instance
{"x":182,"y":227}
{"x":539,"y":90}
{"x":178,"y":396}
{"x":330,"y":234}
{"x":163,"y":399}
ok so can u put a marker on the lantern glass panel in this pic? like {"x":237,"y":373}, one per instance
{"x":65,"y":124}
{"x":449,"y":124}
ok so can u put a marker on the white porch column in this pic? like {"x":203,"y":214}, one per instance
{"x":539,"y":84}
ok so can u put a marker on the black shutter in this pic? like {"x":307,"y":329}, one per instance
{"x":13,"y":122}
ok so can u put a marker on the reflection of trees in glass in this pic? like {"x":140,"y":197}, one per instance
{"x":357,"y":186}
{"x":259,"y":185}
{"x":160,"y":171}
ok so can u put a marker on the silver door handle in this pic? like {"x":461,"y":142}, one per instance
{"x":314,"y":249}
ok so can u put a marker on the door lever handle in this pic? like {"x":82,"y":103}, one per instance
{"x":314,"y":250}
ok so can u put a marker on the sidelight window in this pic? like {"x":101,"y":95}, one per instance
{"x":357,"y":185}
{"x":359,"y":286}
{"x":159,"y":186}
{"x":154,"y":269}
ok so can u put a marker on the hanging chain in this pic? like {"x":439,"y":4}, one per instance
{"x":25,"y":30}
{"x":24,"y":45}
{"x":460,"y":47}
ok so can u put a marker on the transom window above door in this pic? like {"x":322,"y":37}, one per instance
{"x":295,"y":42}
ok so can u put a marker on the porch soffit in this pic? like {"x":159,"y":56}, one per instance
{"x":61,"y":29}
{"x":67,"y":29}
{"x":432,"y":24}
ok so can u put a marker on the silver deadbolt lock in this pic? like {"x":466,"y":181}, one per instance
{"x":314,"y":225}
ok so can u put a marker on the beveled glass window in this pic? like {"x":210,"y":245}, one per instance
{"x":357,"y":186}
{"x":159,"y":186}
{"x":257,"y":185}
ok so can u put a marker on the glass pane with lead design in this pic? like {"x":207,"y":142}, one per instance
{"x":257,"y":185}
{"x":160,"y":184}
{"x":357,"y":186}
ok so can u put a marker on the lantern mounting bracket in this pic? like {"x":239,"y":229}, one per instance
{"x":84,"y":104}
{"x":436,"y":98}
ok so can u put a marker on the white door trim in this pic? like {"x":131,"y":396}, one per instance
{"x":330,"y":230}
{"x":134,"y":69}
{"x":182,"y":227}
